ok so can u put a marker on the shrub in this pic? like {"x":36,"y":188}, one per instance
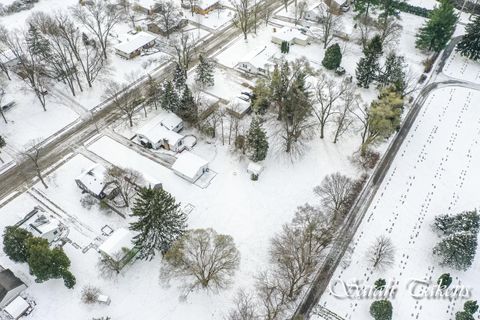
{"x":381,"y":310}
{"x":333,"y":57}
{"x":90,"y":294}
{"x":416,"y":10}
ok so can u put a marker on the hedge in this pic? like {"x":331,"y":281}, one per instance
{"x":418,"y":11}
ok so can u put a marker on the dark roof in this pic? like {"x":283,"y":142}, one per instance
{"x":8,"y":282}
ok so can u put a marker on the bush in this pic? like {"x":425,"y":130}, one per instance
{"x":90,"y":294}
{"x":445,"y":280}
{"x":333,"y":57}
{"x":381,"y":310}
{"x":408,"y":8}
{"x":87,"y":201}
{"x":470,"y":306}
{"x":369,"y":159}
{"x":380,"y":284}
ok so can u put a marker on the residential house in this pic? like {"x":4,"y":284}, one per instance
{"x":238,"y":107}
{"x":258,"y":64}
{"x":134,"y":46}
{"x":158,"y":28}
{"x":93,"y":182}
{"x":146,"y":6}
{"x":119,"y":247}
{"x":10,"y":287}
{"x":155,"y":135}
{"x":38,"y":223}
{"x":290,"y":35}
{"x":205,"y":6}
{"x":190,"y":166}
{"x":337,"y":7}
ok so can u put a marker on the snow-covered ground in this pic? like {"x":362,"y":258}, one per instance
{"x":434,"y":173}
{"x":462,"y":68}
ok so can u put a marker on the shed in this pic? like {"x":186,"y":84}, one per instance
{"x":133,"y":47}
{"x":190,"y":166}
{"x":118,"y":245}
{"x":238,"y":107}
{"x":17,"y":308}
{"x":10,"y":287}
{"x":254,"y":168}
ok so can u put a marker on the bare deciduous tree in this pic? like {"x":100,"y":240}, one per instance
{"x":245,"y":307}
{"x":33,"y":153}
{"x":273,"y":301}
{"x":300,"y":10}
{"x":343,"y":118}
{"x":168,"y":16}
{"x":381,"y":253}
{"x":334,"y":193}
{"x":330,"y":25}
{"x":207,"y":258}
{"x":296,"y":251}
{"x":110,"y":267}
{"x":390,"y":31}
{"x":184,"y":47}
{"x":99,"y":17}
{"x":2,"y":94}
{"x":127,"y":180}
{"x":3,"y":65}
{"x":122,"y":98}
{"x":90,"y":294}
{"x":243,"y":16}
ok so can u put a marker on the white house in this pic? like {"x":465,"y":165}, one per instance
{"x":10,"y":287}
{"x":162,"y":132}
{"x":258,"y":64}
{"x":238,"y":107}
{"x":41,"y":225}
{"x":93,"y":182}
{"x":290,"y":35}
{"x":17,"y":308}
{"x":132,"y":47}
{"x":190,"y":166}
{"x":118,"y":245}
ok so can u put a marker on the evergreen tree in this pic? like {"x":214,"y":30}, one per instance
{"x":381,"y":310}
{"x":46,"y":263}
{"x":257,"y":142}
{"x":204,"y":72}
{"x":445,"y":280}
{"x":437,"y":31}
{"x":463,"y":315}
{"x":457,"y":250}
{"x":470,"y":306}
{"x":363,"y":7}
{"x":2,"y":142}
{"x":389,"y":8}
{"x":449,"y":224}
{"x":333,"y":57}
{"x":368,"y":66}
{"x":158,"y":221}
{"x":38,"y":45}
{"x":285,"y":47}
{"x":469,"y":46}
{"x":15,"y":243}
{"x":187,"y":109}
{"x":393,"y":73}
{"x":169,"y":98}
{"x":380,"y":284}
{"x":179,"y":78}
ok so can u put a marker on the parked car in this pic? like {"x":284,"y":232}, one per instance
{"x":340,"y":71}
{"x":8,"y":106}
{"x":244,"y":98}
{"x":248,"y":94}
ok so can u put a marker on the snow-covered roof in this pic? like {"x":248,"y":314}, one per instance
{"x":261,"y":59}
{"x":289,"y":34}
{"x":170,"y":120}
{"x":42,"y":225}
{"x":17,"y":307}
{"x":7,"y":56}
{"x":238,"y":105}
{"x":148,"y":4}
{"x":255,"y":168}
{"x":113,"y":247}
{"x":136,"y":42}
{"x":159,"y":133}
{"x":94,"y":178}
{"x":189,"y":164}
{"x":204,"y":4}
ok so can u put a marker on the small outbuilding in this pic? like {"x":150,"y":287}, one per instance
{"x":118,"y":246}
{"x":190,"y":166}
{"x":93,"y":182}
{"x":290,"y":35}
{"x":135,"y":45}
{"x":10,"y":287}
{"x":254,"y":168}
{"x":238,"y":107}
{"x":8,"y":58}
{"x":17,"y":308}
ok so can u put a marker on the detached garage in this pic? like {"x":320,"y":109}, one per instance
{"x":190,"y":166}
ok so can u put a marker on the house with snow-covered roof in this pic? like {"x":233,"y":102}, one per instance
{"x":10,"y":287}
{"x":41,"y":225}
{"x":238,"y":107}
{"x":258,"y":63}
{"x":205,"y":6}
{"x":290,"y":35}
{"x":118,"y":246}
{"x":155,"y":135}
{"x":134,"y":46}
{"x":190,"y":166}
{"x":92,"y":181}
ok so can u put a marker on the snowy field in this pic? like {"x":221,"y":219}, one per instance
{"x":435,"y":172}
{"x":462,"y":68}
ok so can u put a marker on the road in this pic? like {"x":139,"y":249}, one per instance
{"x":58,"y":147}
{"x":355,"y":217}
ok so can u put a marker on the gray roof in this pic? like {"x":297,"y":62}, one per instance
{"x":8,"y":282}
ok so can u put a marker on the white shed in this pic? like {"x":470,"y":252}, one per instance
{"x":238,"y":107}
{"x":190,"y":166}
{"x":17,"y":308}
{"x":118,"y":245}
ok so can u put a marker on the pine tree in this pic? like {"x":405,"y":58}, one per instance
{"x":363,"y":7}
{"x":445,"y":280}
{"x":469,"y":46}
{"x":470,"y":306}
{"x":437,"y":31}
{"x":463,"y":315}
{"x":38,"y":45}
{"x":204,"y":73}
{"x":158,"y":221}
{"x":179,"y":78}
{"x":457,"y":250}
{"x":449,"y":224}
{"x":284,"y":47}
{"x":368,"y":66}
{"x":393,"y":73}
{"x":333,"y":57}
{"x":380,"y":284}
{"x":169,"y":97}
{"x":381,"y":310}
{"x":257,"y":142}
{"x":187,"y":109}
{"x":46,"y":263}
{"x":15,"y":243}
